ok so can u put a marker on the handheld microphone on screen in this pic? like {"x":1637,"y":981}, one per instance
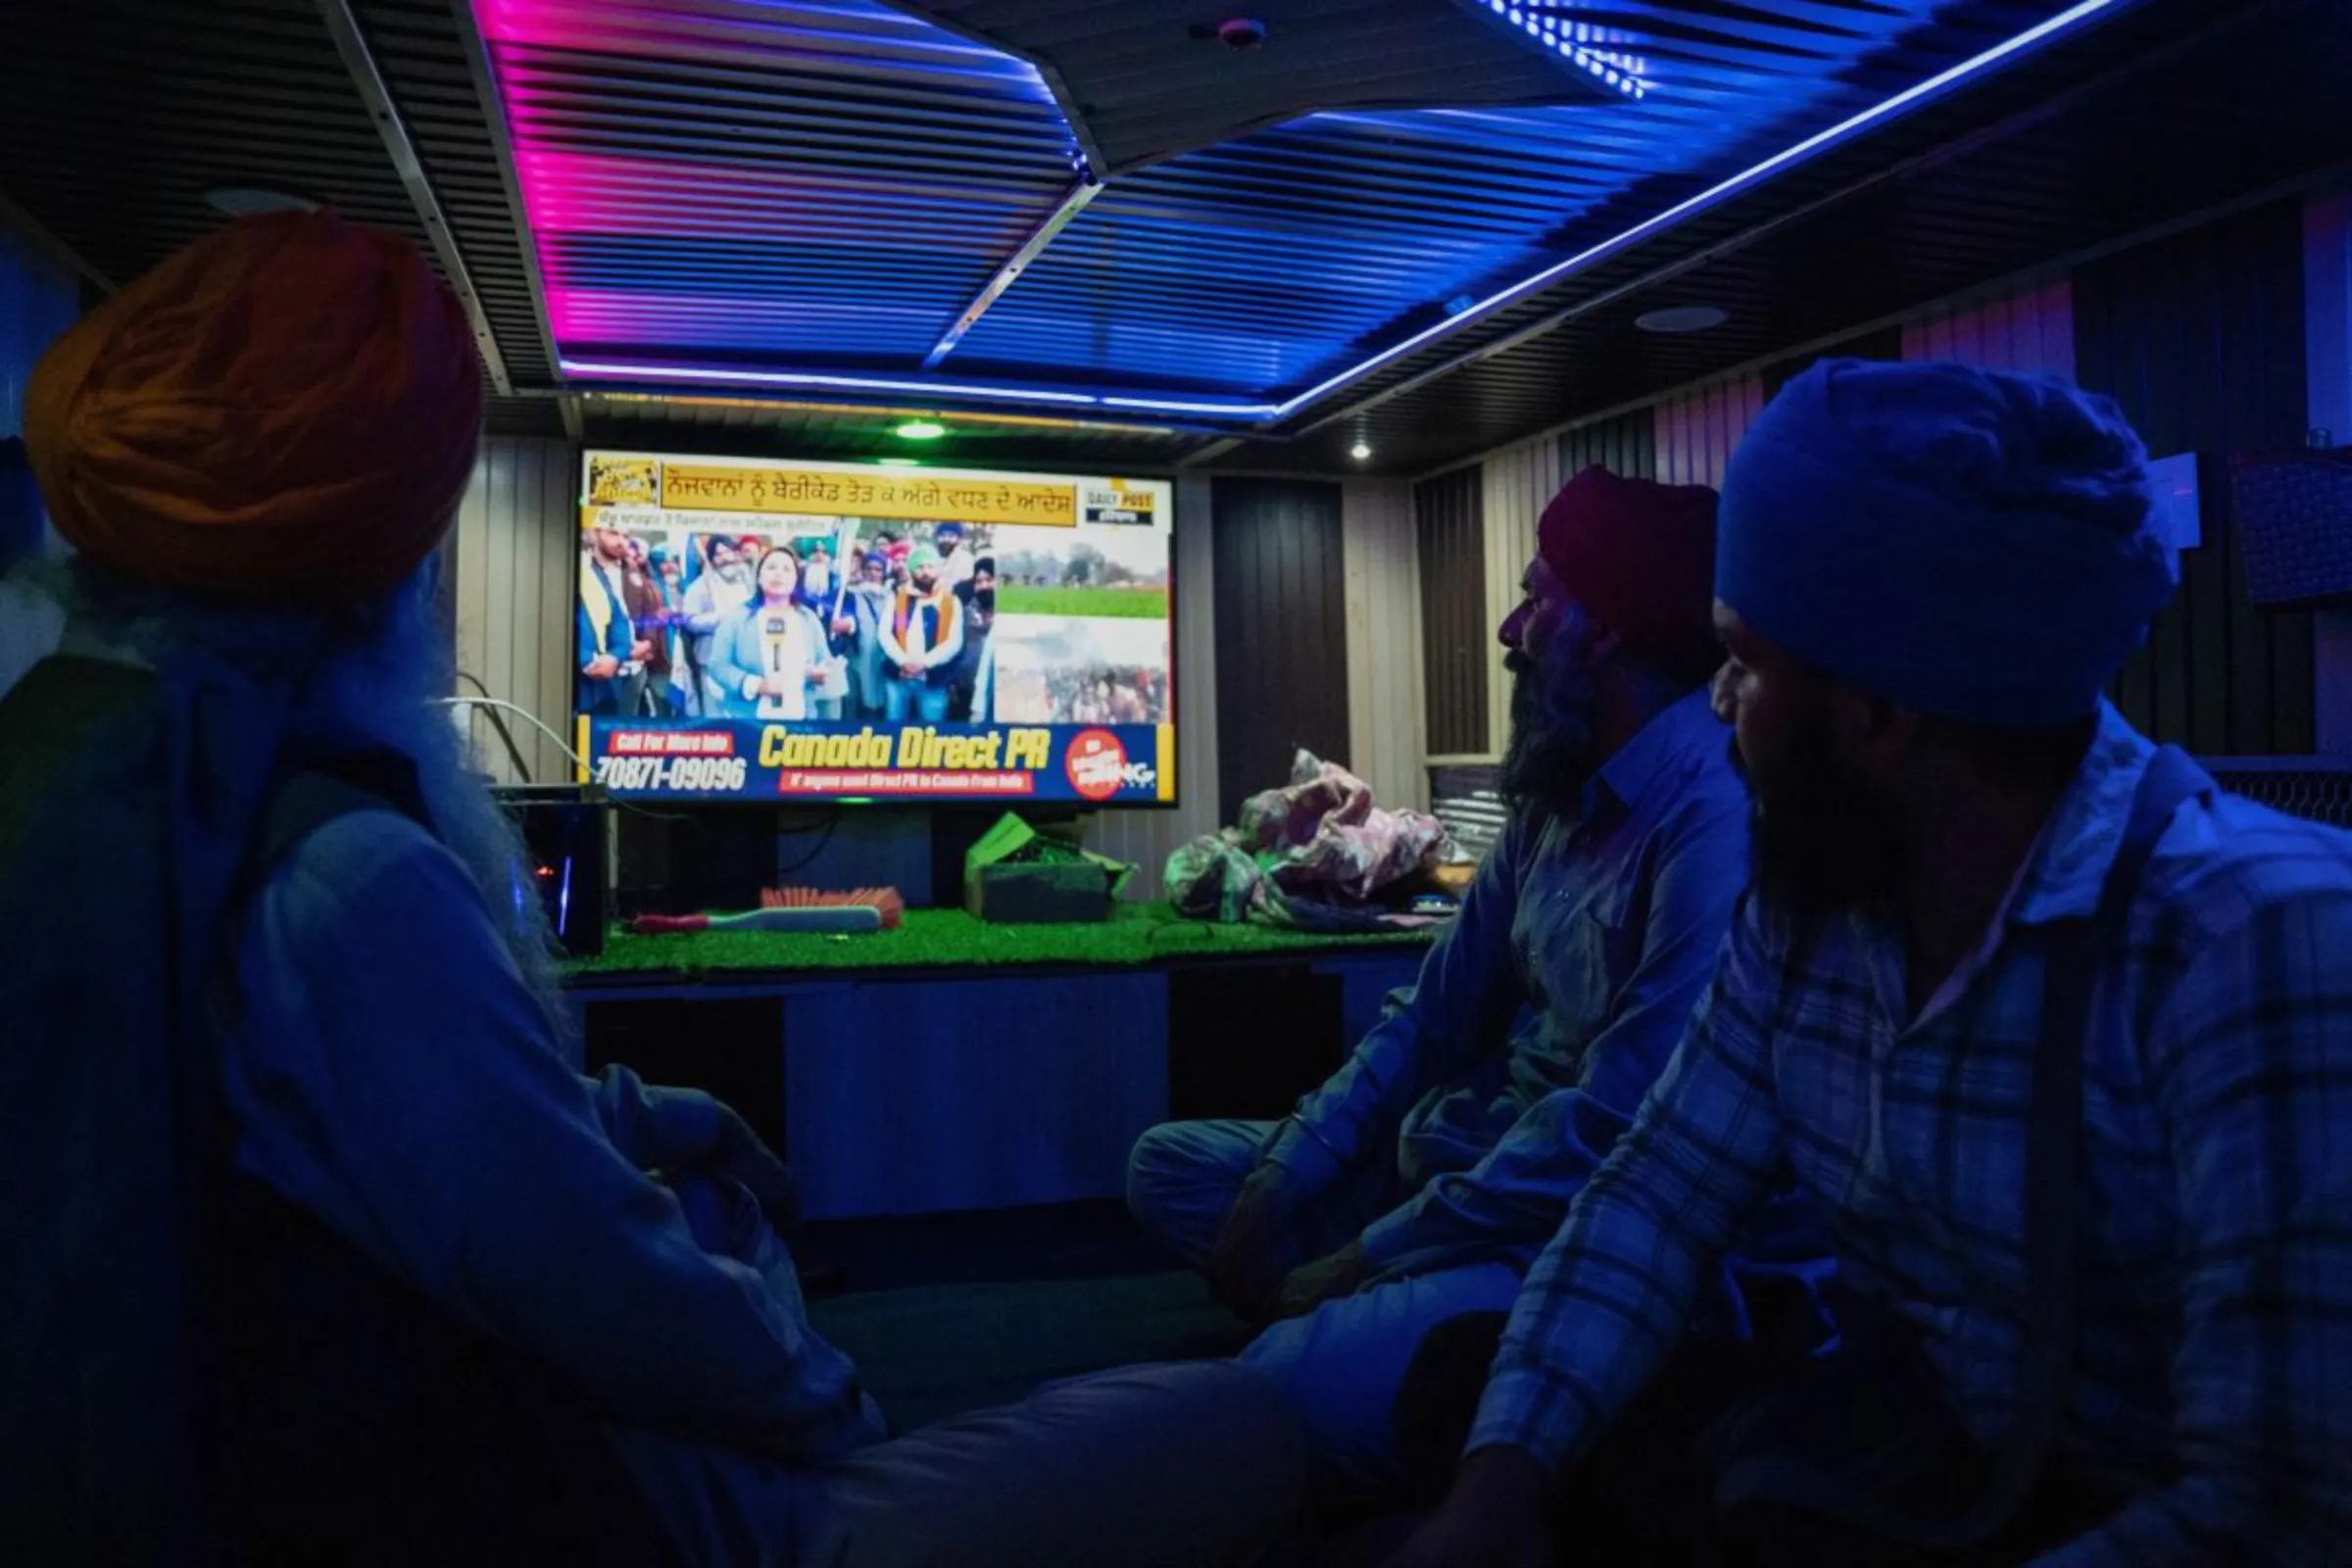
{"x":808,"y":911}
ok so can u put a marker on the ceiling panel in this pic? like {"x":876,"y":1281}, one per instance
{"x":1149,"y":78}
{"x":814,"y":185}
{"x":2146,"y":141}
{"x":722,"y":190}
{"x":120,"y":114}
{"x":806,"y":189}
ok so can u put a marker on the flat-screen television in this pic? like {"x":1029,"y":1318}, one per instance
{"x":757,"y":629}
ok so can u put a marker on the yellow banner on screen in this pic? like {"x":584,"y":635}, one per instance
{"x":834,"y":493}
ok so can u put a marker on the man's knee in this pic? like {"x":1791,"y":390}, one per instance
{"x":1155,"y":1154}
{"x":1182,"y":1177}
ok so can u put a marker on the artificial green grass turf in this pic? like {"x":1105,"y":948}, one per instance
{"x":945,"y":938}
{"x":1109,"y":604}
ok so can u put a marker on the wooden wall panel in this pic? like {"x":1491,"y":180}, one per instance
{"x":1281,"y":630}
{"x":2200,"y":339}
{"x":1624,"y":444}
{"x":516,"y":556}
{"x":1698,"y":428}
{"x":914,"y":1096}
{"x":1449,"y":544}
{"x":1384,"y":640}
{"x":1146,"y":839}
{"x":1518,"y":483}
{"x":2027,"y":325}
{"x":2328,"y":373}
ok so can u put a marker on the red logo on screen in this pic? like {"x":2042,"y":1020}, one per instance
{"x":1096,"y":765}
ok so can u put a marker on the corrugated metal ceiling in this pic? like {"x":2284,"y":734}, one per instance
{"x":2187,"y":105}
{"x":828,"y":184}
{"x":121,"y":115}
{"x":822,"y":187}
{"x":818,"y":184}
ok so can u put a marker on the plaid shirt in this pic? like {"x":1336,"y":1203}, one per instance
{"x":2214,"y":1243}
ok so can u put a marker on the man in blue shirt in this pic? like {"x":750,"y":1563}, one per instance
{"x":1928,"y":576}
{"x":1428,"y":1173}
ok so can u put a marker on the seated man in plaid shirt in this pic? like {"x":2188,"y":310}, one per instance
{"x":1926,"y":575}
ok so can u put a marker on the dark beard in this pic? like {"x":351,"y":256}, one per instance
{"x":1549,"y":756}
{"x":1821,"y":845}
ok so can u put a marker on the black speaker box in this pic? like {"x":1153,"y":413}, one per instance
{"x":563,"y":836}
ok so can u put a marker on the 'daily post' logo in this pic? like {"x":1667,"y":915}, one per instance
{"x":1096,"y":765}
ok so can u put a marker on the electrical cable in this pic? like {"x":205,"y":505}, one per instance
{"x":523,"y":712}
{"x":492,"y":705}
{"x":523,"y":770}
{"x":825,"y":836}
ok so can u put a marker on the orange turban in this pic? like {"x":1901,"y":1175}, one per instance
{"x":286,"y":411}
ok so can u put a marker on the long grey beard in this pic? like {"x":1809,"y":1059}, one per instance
{"x":375,"y":681}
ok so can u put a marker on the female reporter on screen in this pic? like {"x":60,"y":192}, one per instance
{"x":766,"y":658}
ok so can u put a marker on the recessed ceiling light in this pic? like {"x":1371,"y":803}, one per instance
{"x":245,"y":200}
{"x":921,"y":430}
{"x":1682,"y":319}
{"x":1359,"y":451}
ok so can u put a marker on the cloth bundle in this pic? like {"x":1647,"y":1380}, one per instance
{"x":1314,"y":852}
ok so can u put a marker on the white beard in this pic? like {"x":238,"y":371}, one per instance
{"x":375,"y":683}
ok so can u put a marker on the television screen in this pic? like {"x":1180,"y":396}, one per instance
{"x":757,"y":629}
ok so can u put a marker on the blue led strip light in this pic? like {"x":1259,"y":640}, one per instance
{"x":1568,"y":40}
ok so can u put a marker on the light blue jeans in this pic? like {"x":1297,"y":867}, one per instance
{"x":1342,"y":1364}
{"x":903,"y":699}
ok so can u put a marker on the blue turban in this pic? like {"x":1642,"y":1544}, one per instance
{"x":1974,"y":545}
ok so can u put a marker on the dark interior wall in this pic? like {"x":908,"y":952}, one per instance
{"x":2200,"y":339}
{"x":1450,"y":532}
{"x":1281,"y":631}
{"x":1884,"y":343}
{"x":1625,"y":444}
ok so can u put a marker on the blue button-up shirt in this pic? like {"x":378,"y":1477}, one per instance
{"x":2214,"y":1355}
{"x":1545,"y":1011}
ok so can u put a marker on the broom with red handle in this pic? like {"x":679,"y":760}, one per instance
{"x":803,"y":910}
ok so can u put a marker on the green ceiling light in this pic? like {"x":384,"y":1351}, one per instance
{"x":900,"y":462}
{"x":921,"y":430}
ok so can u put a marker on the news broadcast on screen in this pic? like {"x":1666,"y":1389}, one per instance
{"x":763,"y":629}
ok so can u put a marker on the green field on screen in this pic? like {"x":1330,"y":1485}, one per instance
{"x":1116,"y":603}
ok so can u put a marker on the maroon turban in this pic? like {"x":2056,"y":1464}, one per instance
{"x":1640,"y":558}
{"x":286,"y":411}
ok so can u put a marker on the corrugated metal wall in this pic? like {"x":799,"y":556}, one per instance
{"x":1146,"y":839}
{"x":1384,"y":640}
{"x":1624,"y":444}
{"x":1281,"y":629}
{"x":38,"y":300}
{"x":1516,"y":485}
{"x":515,"y":554}
{"x":1698,"y":428}
{"x":2027,"y":325}
{"x":2200,"y":338}
{"x":1449,"y":544}
{"x":2327,"y":372}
